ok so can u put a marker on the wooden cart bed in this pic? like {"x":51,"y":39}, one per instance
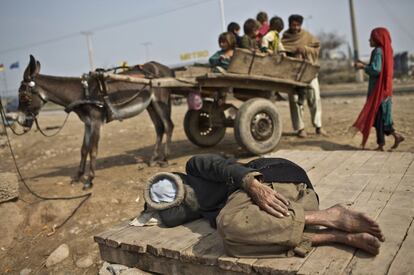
{"x":378,"y":183}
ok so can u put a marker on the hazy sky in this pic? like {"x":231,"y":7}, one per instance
{"x":51,"y":29}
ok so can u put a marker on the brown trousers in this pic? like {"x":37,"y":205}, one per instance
{"x":248,"y":231}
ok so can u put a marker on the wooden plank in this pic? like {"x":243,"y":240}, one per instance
{"x":300,"y":158}
{"x":403,"y":262}
{"x":246,"y":264}
{"x":368,"y":179}
{"x":279,"y":154}
{"x":229,"y":263}
{"x":102,"y":237}
{"x":311,"y":160}
{"x":395,"y":220}
{"x":247,"y":84}
{"x":171,"y":82}
{"x":375,"y":163}
{"x":158,"y":264}
{"x":137,"y":238}
{"x":333,"y":258}
{"x":398,"y":163}
{"x":327,"y":165}
{"x":363,"y":190}
{"x":339,"y":188}
{"x":206,"y":251}
{"x":140,"y":80}
{"x":169,"y":266}
{"x":292,"y":155}
{"x":354,"y":162}
{"x":278,"y":265}
{"x":343,"y":189}
{"x":191,"y":71}
{"x":169,"y":243}
{"x":173,"y":248}
{"x":307,"y":160}
{"x":410,"y":170}
{"x":112,"y":240}
{"x":375,"y":194}
{"x":245,"y":77}
{"x":117,"y":255}
{"x":165,"y":82}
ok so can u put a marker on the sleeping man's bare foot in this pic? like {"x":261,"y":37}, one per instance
{"x":338,"y":217}
{"x":363,"y":241}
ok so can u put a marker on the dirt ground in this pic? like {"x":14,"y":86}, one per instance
{"x":48,"y":163}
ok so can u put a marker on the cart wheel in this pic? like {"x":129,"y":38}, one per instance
{"x":258,"y":126}
{"x":205,"y":127}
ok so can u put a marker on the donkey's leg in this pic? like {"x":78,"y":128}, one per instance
{"x":93,"y":152}
{"x":159,"y":129}
{"x":165,"y":115}
{"x":84,"y":153}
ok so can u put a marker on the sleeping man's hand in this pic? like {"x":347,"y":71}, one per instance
{"x":268,"y":199}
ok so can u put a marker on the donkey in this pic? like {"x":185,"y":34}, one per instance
{"x":37,"y":89}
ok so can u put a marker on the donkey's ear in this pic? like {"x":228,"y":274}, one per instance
{"x":37,"y":68}
{"x":32,"y":65}
{"x":28,"y":71}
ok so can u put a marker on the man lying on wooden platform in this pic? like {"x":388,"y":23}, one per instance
{"x":264,"y":208}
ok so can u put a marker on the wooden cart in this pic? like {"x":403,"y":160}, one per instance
{"x":253,"y":78}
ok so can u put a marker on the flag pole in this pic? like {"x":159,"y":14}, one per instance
{"x":5,"y":84}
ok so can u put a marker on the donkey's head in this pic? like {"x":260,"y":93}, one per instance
{"x":31,"y":97}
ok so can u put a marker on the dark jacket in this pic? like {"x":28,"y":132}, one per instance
{"x":214,"y":178}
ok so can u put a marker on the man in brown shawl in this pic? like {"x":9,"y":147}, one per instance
{"x":300,"y":43}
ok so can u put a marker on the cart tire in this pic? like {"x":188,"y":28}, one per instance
{"x":258,"y":126}
{"x":198,"y":129}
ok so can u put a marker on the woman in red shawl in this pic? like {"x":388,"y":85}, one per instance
{"x":378,"y":107}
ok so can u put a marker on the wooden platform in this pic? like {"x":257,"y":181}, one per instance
{"x":380,"y":184}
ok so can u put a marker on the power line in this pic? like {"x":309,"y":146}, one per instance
{"x":39,"y":43}
{"x":104,"y":27}
{"x":142,"y":18}
{"x":396,"y":20}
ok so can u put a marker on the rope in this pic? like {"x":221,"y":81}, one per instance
{"x":4,"y":119}
{"x":55,"y":133}
{"x":84,"y":196}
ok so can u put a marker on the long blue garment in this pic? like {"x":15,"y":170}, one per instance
{"x":373,"y":69}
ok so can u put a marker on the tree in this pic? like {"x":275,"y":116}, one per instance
{"x":329,"y":41}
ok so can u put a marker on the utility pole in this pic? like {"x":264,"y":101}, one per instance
{"x":146,"y":46}
{"x":307,"y":20}
{"x":359,"y":73}
{"x":88,"y":36}
{"x":223,"y":22}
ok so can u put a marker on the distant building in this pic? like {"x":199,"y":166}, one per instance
{"x":402,"y":65}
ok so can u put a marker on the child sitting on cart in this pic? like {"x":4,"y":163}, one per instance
{"x":271,"y":42}
{"x":234,"y":28}
{"x":220,"y":61}
{"x":248,"y":40}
